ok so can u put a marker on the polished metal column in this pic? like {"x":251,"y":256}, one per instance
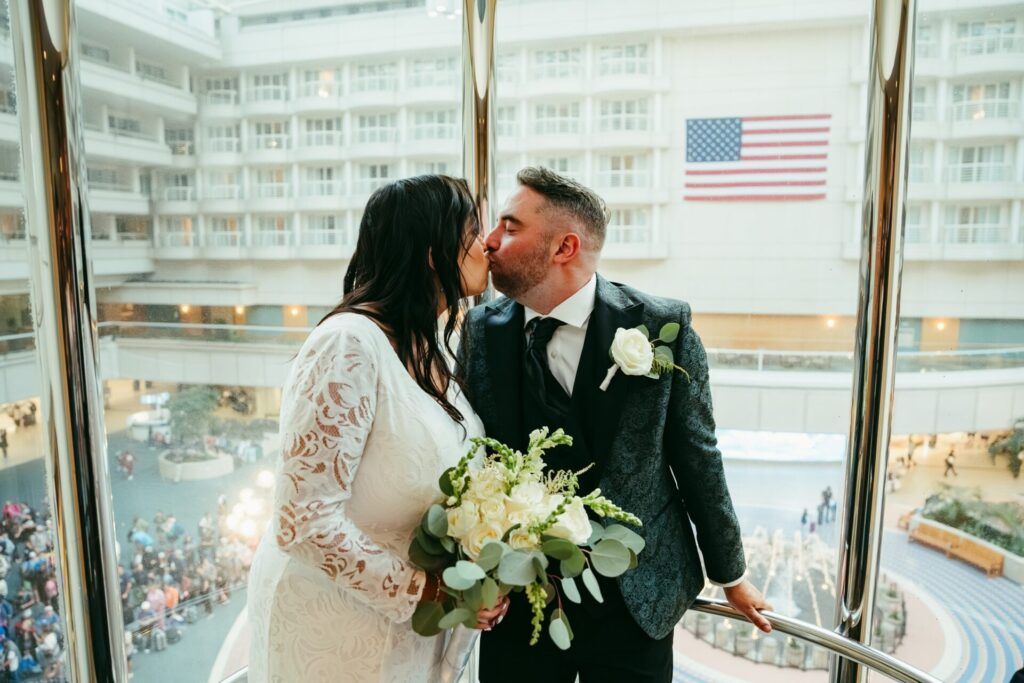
{"x":881,"y":266}
{"x":49,"y":109}
{"x":478,"y":104}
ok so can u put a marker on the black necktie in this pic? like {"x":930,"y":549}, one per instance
{"x":541,"y":384}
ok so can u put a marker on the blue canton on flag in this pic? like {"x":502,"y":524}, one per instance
{"x":713,"y":139}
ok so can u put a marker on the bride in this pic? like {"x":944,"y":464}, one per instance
{"x":371,"y":416}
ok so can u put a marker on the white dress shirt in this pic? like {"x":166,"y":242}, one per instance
{"x":566,"y":346}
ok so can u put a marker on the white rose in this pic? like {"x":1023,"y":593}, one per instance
{"x":632,"y":352}
{"x":522,"y":539}
{"x":462,"y":519}
{"x":492,"y":510}
{"x":474,"y":541}
{"x":573,"y":524}
{"x":527,"y":497}
{"x":486,"y":483}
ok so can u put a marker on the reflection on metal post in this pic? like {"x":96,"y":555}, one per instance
{"x":478,"y":103}
{"x":881,"y":265}
{"x":57,"y":224}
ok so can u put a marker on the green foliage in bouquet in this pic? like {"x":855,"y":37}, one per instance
{"x":505,"y":525}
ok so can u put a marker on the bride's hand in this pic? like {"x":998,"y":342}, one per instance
{"x":486,"y":619}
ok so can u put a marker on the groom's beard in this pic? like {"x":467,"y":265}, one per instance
{"x":517,"y":276}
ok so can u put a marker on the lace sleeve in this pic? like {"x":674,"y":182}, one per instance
{"x":335,"y":395}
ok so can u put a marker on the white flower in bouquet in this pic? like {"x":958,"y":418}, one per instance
{"x":523,"y":539}
{"x":573,"y":524}
{"x":462,"y":518}
{"x":492,"y":511}
{"x":478,"y":536}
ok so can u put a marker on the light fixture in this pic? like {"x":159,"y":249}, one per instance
{"x":240,"y":310}
{"x":184,"y":308}
{"x":978,"y":115}
{"x":265,"y":479}
{"x":830,"y":323}
{"x":443,"y":8}
{"x":295,"y":311}
{"x":940,"y":326}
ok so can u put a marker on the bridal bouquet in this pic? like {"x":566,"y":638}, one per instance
{"x":507,"y":525}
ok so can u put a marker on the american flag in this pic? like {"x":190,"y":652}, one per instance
{"x":757,"y":158}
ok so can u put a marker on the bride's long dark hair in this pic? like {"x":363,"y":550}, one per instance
{"x":408,"y":225}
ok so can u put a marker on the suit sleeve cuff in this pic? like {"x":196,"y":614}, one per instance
{"x":737,"y":582}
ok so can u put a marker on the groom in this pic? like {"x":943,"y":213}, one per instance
{"x":537,"y":357}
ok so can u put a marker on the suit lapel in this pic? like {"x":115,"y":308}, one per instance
{"x":504,"y":334}
{"x":612,"y":310}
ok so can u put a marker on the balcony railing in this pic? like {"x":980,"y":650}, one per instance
{"x":770,"y":360}
{"x":979,"y":173}
{"x":220,"y":97}
{"x":183,"y":148}
{"x":988,"y":45}
{"x":271,"y":190}
{"x":111,"y":186}
{"x":223,"y":145}
{"x":322,"y":89}
{"x":922,"y":111}
{"x":268,"y":93}
{"x":434,"y":131}
{"x":432,"y":79}
{"x":276,"y":141}
{"x":628,"y":234}
{"x":322,"y":138}
{"x":179,"y":194}
{"x":13,"y":343}
{"x":178,"y":239}
{"x":223,"y":192}
{"x":368,"y":185}
{"x":978,"y":110}
{"x":272,"y":238}
{"x":637,"y":122}
{"x":612,"y":179}
{"x":322,"y":237}
{"x":371,"y":135}
{"x":129,"y":133}
{"x":977,"y":234}
{"x":224,"y":238}
{"x":374,"y":83}
{"x":321,"y":188}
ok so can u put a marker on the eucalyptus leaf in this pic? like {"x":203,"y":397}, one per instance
{"x":574,"y":565}
{"x":590,"y":581}
{"x":489,"y":593}
{"x":643,"y":328}
{"x":664,"y":354}
{"x":516,"y":569}
{"x":560,"y":614}
{"x":559,"y":633}
{"x":444,"y":482}
{"x":473,"y":597}
{"x":434,"y":564}
{"x":453,"y":578}
{"x":426,"y":618}
{"x":559,"y":548}
{"x":626,"y":537}
{"x":490,"y":555}
{"x":448,"y":543}
{"x":669,"y":332}
{"x":610,"y":558}
{"x":430,"y":544}
{"x":570,"y":590}
{"x":455,"y":617}
{"x":596,"y":533}
{"x":542,"y":575}
{"x":540,"y":557}
{"x":469,"y":570}
{"x":435,"y":521}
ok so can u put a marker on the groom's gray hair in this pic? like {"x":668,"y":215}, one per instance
{"x":570,"y":198}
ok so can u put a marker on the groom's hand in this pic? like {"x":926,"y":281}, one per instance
{"x":747,"y":600}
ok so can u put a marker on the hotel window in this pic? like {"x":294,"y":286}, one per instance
{"x":627,"y":170}
{"x":978,"y":164}
{"x":372,"y":176}
{"x":434,"y":168}
{"x":917,"y":224}
{"x":624,"y":115}
{"x":377,"y":128}
{"x":997,"y":36}
{"x":628,"y":226}
{"x":508,"y":121}
{"x":926,"y":40}
{"x":553,"y":119}
{"x":922,"y":103}
{"x":271,"y":182}
{"x":567,"y":166}
{"x":107,"y":178}
{"x":322,"y":83}
{"x":10,"y":163}
{"x":271,"y":135}
{"x":178,"y":187}
{"x":180,"y":140}
{"x":322,"y":132}
{"x":223,"y":138}
{"x":920,"y":166}
{"x":132,"y":228}
{"x":222,"y":90}
{"x":178,"y":231}
{"x":426,"y":73}
{"x":321,"y":181}
{"x":125,"y":125}
{"x":95,"y":53}
{"x":268,"y":87}
{"x":619,"y":60}
{"x":272,"y":231}
{"x":434,"y":125}
{"x":225,"y":231}
{"x":154,"y":72}
{"x":322,"y":230}
{"x":507,"y":67}
{"x":983,"y":224}
{"x":221,"y":184}
{"x":375,"y":77}
{"x":8,"y":101}
{"x":566,"y":63}
{"x":984,"y":101}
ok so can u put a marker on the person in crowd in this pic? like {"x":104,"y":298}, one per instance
{"x":950,"y":464}
{"x":3,"y":442}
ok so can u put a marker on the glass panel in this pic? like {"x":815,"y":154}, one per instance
{"x":32,"y":624}
{"x":954,"y":537}
{"x":242,"y":200}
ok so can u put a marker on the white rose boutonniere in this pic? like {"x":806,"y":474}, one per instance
{"x":636,"y":354}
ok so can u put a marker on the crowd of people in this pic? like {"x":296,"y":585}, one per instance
{"x":827,"y":512}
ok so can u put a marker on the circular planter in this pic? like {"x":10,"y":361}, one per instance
{"x":211,"y":468}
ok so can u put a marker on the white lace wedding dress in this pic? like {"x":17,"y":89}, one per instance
{"x":331,"y":590}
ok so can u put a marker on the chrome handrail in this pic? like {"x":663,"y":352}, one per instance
{"x":830,"y":640}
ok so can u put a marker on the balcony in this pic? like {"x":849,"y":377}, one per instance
{"x":268,"y":149}
{"x":11,"y":193}
{"x":373,"y":92}
{"x":222,"y":199}
{"x":272,"y":244}
{"x":985,"y":118}
{"x":980,"y":243}
{"x":271,"y":197}
{"x":433,"y":140}
{"x":374,"y":143}
{"x":321,"y":145}
{"x":223,"y":244}
{"x":137,"y":149}
{"x":989,"y":55}
{"x":554,"y":82}
{"x":320,"y":195}
{"x":627,"y":134}
{"x":556,"y":138}
{"x":178,"y":200}
{"x":982,"y":181}
{"x":125,"y":255}
{"x":364,"y":187}
{"x":319,"y":97}
{"x":221,"y":152}
{"x":115,"y":85}
{"x":220,"y":104}
{"x":117,"y":198}
{"x":324,"y":243}
{"x":640,"y":81}
{"x":631,"y":242}
{"x":264,"y":100}
{"x":630,"y":190}
{"x":177,"y":244}
{"x":434,"y":87}
{"x":183,"y":154}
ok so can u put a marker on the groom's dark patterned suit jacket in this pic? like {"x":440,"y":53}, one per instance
{"x":653,"y":442}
